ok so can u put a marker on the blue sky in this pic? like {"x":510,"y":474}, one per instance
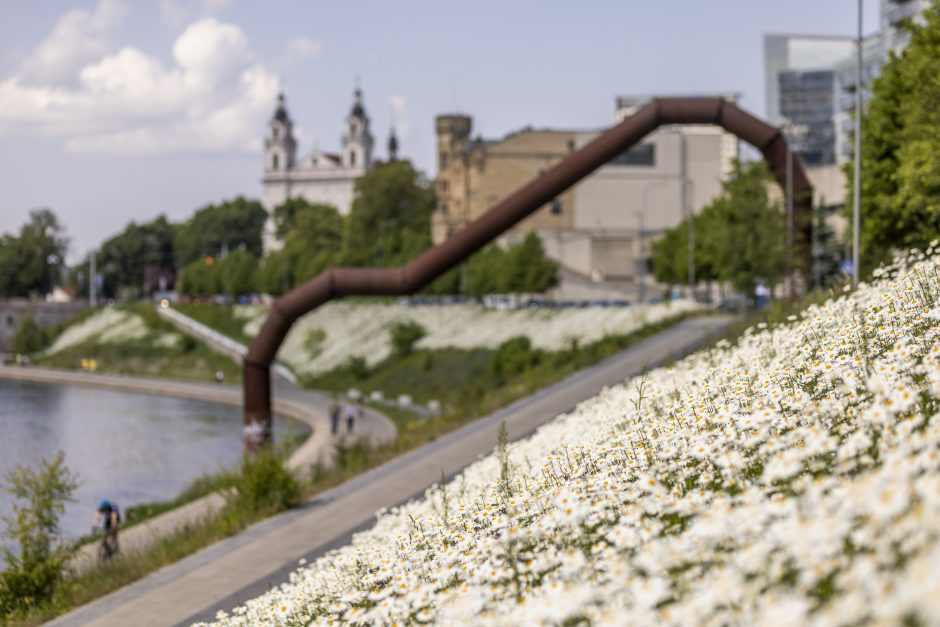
{"x":112,"y":111}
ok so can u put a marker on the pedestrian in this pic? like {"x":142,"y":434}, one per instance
{"x":350,"y":418}
{"x":334,"y":415}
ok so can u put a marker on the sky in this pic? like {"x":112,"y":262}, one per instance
{"x":114,"y":111}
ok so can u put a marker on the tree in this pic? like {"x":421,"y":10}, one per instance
{"x":738,"y":236}
{"x":528,"y":269}
{"x":390,"y":220}
{"x":33,"y":572}
{"x":122,"y":259}
{"x":231,"y":225}
{"x":900,"y":206}
{"x":826,"y":251}
{"x":33,"y":261}
{"x":521,"y":268}
{"x":28,"y":337}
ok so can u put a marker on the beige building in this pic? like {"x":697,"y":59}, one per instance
{"x":600,"y":230}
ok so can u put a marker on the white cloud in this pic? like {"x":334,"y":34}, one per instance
{"x":177,"y":13}
{"x":78,"y":37}
{"x":303,"y":48}
{"x":214,"y":98}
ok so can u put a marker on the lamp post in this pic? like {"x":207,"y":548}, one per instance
{"x":857,"y":175}
{"x":641,"y":261}
{"x":687,"y":191}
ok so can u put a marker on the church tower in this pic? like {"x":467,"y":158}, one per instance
{"x":357,"y":141}
{"x":280,"y":147}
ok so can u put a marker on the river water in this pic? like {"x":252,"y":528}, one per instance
{"x":129,"y":448}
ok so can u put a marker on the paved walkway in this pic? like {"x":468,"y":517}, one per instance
{"x":246,"y":565}
{"x":310,"y":408}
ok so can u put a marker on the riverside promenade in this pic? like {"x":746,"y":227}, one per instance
{"x":309,"y":408}
{"x":246,"y":565}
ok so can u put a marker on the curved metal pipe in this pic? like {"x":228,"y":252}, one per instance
{"x":339,"y":282}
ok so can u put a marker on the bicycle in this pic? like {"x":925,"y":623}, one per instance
{"x":108,"y":547}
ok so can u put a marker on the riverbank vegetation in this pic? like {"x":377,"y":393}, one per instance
{"x":791,"y":478}
{"x":133,"y":340}
{"x":38,"y":584}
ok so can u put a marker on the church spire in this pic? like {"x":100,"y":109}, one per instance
{"x":392,"y":145}
{"x":280,"y":146}
{"x":357,"y":140}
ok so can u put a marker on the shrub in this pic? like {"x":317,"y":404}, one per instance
{"x":266,"y":484}
{"x":357,"y":367}
{"x":313,"y":342}
{"x":514,"y":356}
{"x":28,"y":337}
{"x":32,"y":574}
{"x":404,"y":336}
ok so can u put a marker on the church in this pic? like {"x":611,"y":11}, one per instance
{"x":320,"y":177}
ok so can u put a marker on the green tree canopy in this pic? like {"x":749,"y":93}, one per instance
{"x":390,"y":220}
{"x":32,"y":262}
{"x":123,"y":258}
{"x":900,"y":203}
{"x":739,"y":236}
{"x":312,"y":236}
{"x":232,"y":225}
{"x":522,"y":269}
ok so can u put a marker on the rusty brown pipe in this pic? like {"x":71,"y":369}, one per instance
{"x":339,"y":282}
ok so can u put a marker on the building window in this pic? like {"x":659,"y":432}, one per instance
{"x":557,"y":207}
{"x":352,"y":159}
{"x":570,"y":145}
{"x":10,"y":321}
{"x":443,"y":207}
{"x":276,"y":132}
{"x":442,"y":186}
{"x":443,"y":160}
{"x":274,"y":161}
{"x":641,"y":154}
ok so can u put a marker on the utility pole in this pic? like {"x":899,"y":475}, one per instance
{"x":789,"y":264}
{"x":857,"y":178}
{"x":92,"y":279}
{"x":686,"y":184}
{"x":641,"y":260}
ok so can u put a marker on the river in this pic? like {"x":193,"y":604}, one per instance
{"x":129,"y":448}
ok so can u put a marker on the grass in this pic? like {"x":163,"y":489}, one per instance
{"x":464,"y":381}
{"x":776,"y":313}
{"x":218,"y":317}
{"x":191,"y":359}
{"x":265,"y":488}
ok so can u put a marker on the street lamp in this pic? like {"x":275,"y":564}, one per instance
{"x":687,"y":192}
{"x":857,"y":176}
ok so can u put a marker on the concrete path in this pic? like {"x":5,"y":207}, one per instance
{"x":244,"y":566}
{"x":310,"y":408}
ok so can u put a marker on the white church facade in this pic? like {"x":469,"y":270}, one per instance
{"x":319,"y":177}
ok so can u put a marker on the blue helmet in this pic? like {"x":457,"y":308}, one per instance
{"x":105,"y":503}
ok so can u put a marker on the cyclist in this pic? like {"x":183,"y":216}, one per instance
{"x":108,"y":517}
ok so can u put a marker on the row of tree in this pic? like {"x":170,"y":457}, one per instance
{"x":388,"y":225}
{"x":739,"y":239}
{"x":218,"y":250}
{"x":900,"y":202}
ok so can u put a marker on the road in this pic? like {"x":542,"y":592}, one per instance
{"x":228,"y":573}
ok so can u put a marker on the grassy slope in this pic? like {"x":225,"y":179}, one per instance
{"x":191,"y":360}
{"x":464,"y":381}
{"x":217,"y":317}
